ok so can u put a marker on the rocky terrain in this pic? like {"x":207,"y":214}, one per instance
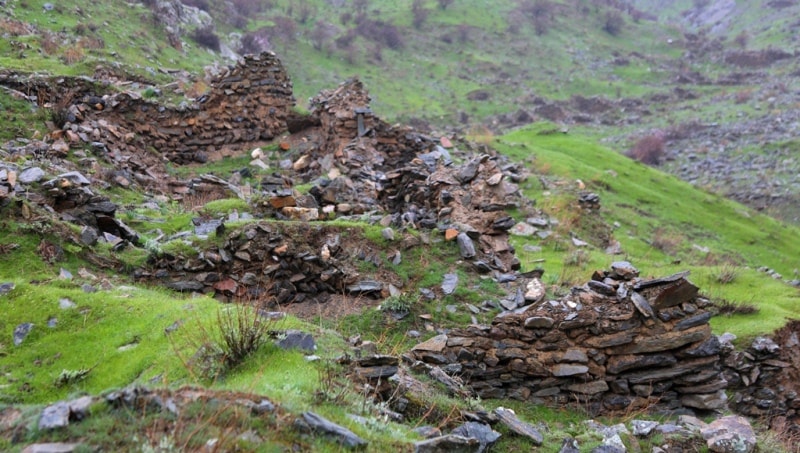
{"x":619,"y":343}
{"x":416,"y":253}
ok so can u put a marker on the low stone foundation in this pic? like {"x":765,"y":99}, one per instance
{"x":617,"y":343}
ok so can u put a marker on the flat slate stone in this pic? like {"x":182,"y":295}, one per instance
{"x":642,"y":305}
{"x":6,"y":288}
{"x":31,"y":175}
{"x":465,"y":246}
{"x":296,"y":339}
{"x":377,"y":372}
{"x":665,"y":342}
{"x":435,"y":344}
{"x":565,"y":369}
{"x":55,"y":416}
{"x":475,"y":430}
{"x":589,"y":388}
{"x":709,"y":401}
{"x":539,"y":322}
{"x":55,"y":447}
{"x":450,"y":443}
{"x":21,"y":332}
{"x":621,"y":363}
{"x":517,"y":426}
{"x":340,"y":434}
{"x":449,"y":283}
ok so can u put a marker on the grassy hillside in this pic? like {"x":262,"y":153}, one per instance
{"x":94,"y":330}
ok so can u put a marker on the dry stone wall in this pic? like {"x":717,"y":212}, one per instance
{"x":250,"y":102}
{"x":617,"y":343}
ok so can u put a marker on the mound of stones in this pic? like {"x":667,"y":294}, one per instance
{"x":617,"y":343}
{"x":359,"y":164}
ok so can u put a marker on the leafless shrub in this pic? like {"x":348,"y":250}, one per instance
{"x":380,"y":32}
{"x":742,"y":39}
{"x":742,"y":97}
{"x":13,"y":27}
{"x":614,"y":23}
{"x":48,"y":43}
{"x":420,"y":13}
{"x":285,"y":28}
{"x":666,"y":241}
{"x":649,"y":149}
{"x":206,"y":37}
{"x":73,"y":54}
{"x":219,"y":345}
{"x":540,"y":13}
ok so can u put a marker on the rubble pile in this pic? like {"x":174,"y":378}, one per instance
{"x":273,"y":263}
{"x":362,"y":164}
{"x":70,"y":196}
{"x":617,"y":343}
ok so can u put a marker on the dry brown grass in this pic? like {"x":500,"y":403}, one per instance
{"x":73,"y":54}
{"x":14,"y":27}
{"x":49,"y":43}
{"x":666,"y":241}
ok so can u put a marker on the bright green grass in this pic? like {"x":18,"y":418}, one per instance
{"x":647,"y":205}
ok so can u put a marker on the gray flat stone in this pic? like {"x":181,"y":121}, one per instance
{"x":21,"y":332}
{"x":449,"y":283}
{"x":484,"y":433}
{"x":55,"y":416}
{"x":450,"y":443}
{"x":340,"y":434}
{"x":296,"y":339}
{"x":55,"y":447}
{"x":566,"y":369}
{"x":517,"y":426}
{"x":31,"y":175}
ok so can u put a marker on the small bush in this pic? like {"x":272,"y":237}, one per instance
{"x":420,"y":14}
{"x":237,"y":332}
{"x":742,"y":39}
{"x":73,"y":54}
{"x":649,"y":149}
{"x":742,"y":97}
{"x":727,"y":274}
{"x":666,"y":241}
{"x":48,"y":43}
{"x":614,"y":23}
{"x":206,"y":37}
{"x":398,"y":304}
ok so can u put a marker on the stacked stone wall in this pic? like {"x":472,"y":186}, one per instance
{"x":617,"y":343}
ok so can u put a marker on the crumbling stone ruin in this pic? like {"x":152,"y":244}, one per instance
{"x":617,"y":343}
{"x":248,"y":103}
{"x":358,"y":164}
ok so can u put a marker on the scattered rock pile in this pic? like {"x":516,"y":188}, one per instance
{"x":362,"y":163}
{"x":616,"y":343}
{"x":70,"y":195}
{"x":273,"y":262}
